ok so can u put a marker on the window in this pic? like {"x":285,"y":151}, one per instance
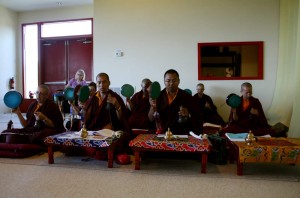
{"x":30,"y":58}
{"x":67,"y":28}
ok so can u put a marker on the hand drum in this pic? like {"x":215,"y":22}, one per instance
{"x":155,"y":90}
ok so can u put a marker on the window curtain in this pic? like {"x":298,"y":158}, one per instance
{"x":285,"y":107}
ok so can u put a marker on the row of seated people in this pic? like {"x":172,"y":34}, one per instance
{"x":174,"y":109}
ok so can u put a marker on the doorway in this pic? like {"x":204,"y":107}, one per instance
{"x":54,"y":51}
{"x":61,"y":58}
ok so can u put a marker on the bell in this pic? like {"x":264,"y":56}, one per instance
{"x":168,"y":135}
{"x":250,"y":138}
{"x":83,"y":132}
{"x":182,"y":119}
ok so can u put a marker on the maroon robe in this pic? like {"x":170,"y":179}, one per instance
{"x":138,"y":117}
{"x":247,"y":121}
{"x":37,"y":133}
{"x":90,"y":111}
{"x":105,"y":115}
{"x":209,"y":114}
{"x":168,"y":114}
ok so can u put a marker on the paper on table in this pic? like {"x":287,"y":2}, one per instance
{"x":237,"y":137}
{"x":207,"y":124}
{"x":240,"y":137}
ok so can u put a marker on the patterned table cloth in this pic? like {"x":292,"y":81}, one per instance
{"x":149,"y":141}
{"x":73,"y":139}
{"x":277,"y":150}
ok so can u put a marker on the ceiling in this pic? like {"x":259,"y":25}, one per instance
{"x":28,"y":5}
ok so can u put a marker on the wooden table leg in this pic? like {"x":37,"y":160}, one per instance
{"x":239,"y":170}
{"x":110,"y":153}
{"x":50,"y":155}
{"x":137,"y":162}
{"x":203,"y":162}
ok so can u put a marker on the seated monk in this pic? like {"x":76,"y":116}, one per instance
{"x":207,"y":107}
{"x":248,"y":116}
{"x":89,"y":108}
{"x":139,"y":106}
{"x":110,"y":112}
{"x":43,"y":118}
{"x":174,"y":108}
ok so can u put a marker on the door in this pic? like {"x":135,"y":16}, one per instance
{"x":80,"y":57}
{"x":61,"y":58}
{"x":53,"y":70}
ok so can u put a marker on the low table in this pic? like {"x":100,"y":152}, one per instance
{"x":74,"y":140}
{"x":150,"y":142}
{"x":271,"y":150}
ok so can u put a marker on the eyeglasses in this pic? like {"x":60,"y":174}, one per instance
{"x":39,"y":93}
{"x":171,"y":80}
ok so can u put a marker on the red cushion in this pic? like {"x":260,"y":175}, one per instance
{"x":19,"y":150}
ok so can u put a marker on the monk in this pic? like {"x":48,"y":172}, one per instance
{"x":43,"y":118}
{"x":248,"y":116}
{"x":111,"y":108}
{"x":207,"y":107}
{"x":174,"y":108}
{"x":139,"y":107}
{"x":90,"y":107}
{"x":110,"y":114}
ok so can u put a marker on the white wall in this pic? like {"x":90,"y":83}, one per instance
{"x":64,"y":13}
{"x":156,"y":35}
{"x":8,"y":46}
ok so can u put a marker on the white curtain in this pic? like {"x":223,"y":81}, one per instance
{"x":285,"y":107}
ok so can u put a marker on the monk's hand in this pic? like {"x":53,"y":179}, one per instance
{"x":207,"y":105}
{"x":39,"y":116}
{"x":81,"y":105}
{"x":183,"y":111}
{"x":114,"y":101}
{"x":16,"y":110}
{"x":254,"y":111}
{"x":152,"y":103}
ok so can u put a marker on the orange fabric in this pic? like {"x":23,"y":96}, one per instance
{"x":246,"y":104}
{"x":98,"y":95}
{"x":171,"y":98}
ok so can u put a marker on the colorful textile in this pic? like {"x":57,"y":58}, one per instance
{"x":277,"y":150}
{"x":71,"y":139}
{"x":148,"y":141}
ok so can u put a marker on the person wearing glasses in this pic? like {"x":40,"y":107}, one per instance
{"x":43,"y":118}
{"x":79,"y":79}
{"x":175,"y":108}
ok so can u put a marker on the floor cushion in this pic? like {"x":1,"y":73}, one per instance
{"x":19,"y":150}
